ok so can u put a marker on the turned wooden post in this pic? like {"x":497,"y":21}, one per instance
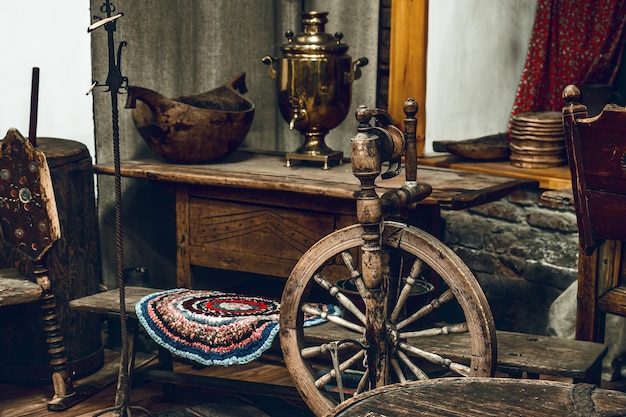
{"x":410,"y":129}
{"x":61,"y":379}
{"x":366,"y":167}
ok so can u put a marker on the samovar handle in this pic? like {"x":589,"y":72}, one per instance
{"x":355,"y":72}
{"x":271,"y":61}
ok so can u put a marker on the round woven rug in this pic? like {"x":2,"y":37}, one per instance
{"x":213,"y":327}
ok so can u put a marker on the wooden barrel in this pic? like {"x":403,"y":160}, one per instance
{"x":74,"y":270}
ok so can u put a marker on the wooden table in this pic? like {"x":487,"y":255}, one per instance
{"x":473,"y":397}
{"x":250,"y":213}
{"x":553,"y":178}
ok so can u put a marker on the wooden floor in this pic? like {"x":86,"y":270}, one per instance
{"x":31,"y":401}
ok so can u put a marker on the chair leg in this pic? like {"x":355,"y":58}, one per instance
{"x":65,"y":395}
{"x":54,"y":338}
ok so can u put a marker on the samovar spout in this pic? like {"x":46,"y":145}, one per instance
{"x":299,"y":113}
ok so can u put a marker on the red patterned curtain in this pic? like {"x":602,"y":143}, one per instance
{"x":572,"y":42}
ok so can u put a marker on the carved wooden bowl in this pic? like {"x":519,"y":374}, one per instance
{"x":193,"y":129}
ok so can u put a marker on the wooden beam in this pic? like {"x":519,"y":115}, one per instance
{"x":407,"y":67}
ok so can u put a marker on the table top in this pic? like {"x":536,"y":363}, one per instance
{"x":451,"y":189}
{"x":473,"y":397}
{"x":553,"y":178}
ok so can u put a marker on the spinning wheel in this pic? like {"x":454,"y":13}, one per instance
{"x":400,"y":332}
{"x":396,"y":284}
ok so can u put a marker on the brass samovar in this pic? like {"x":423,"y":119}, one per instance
{"x":314,"y":83}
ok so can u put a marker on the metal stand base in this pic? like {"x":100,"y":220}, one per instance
{"x":333,"y":156}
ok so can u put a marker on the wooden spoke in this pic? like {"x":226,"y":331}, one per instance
{"x":427,"y":309}
{"x":416,"y":269}
{"x":417,"y":371}
{"x":396,"y":367}
{"x":323,"y":349}
{"x":363,"y":382}
{"x":341,"y":298}
{"x":327,"y":377}
{"x":360,"y":286}
{"x":355,"y":274}
{"x":444,"y":330}
{"x":348,"y":260}
{"x":310,"y":309}
{"x":437,"y":359}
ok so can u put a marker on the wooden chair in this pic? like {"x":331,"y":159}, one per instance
{"x":596,"y":149}
{"x":30,"y":224}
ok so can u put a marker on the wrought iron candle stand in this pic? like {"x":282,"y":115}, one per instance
{"x":117,"y":84}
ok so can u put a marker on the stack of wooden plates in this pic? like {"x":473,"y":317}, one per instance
{"x":537,"y":140}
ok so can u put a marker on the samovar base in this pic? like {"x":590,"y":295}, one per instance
{"x":325,"y":158}
{"x":315,"y":149}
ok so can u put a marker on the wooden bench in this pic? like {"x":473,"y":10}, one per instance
{"x":107,"y":304}
{"x":519,"y":354}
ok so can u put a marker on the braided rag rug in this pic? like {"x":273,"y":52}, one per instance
{"x":213,"y":327}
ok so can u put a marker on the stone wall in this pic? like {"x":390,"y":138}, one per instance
{"x":523,"y":253}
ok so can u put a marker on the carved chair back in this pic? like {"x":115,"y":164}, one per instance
{"x":596,"y":150}
{"x":29,"y":222}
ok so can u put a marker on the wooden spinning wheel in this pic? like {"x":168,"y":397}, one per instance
{"x":396,"y":284}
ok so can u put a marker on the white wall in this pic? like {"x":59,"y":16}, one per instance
{"x":476,"y":54}
{"x":52,"y":36}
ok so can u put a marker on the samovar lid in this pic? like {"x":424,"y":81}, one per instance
{"x":313,"y":38}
